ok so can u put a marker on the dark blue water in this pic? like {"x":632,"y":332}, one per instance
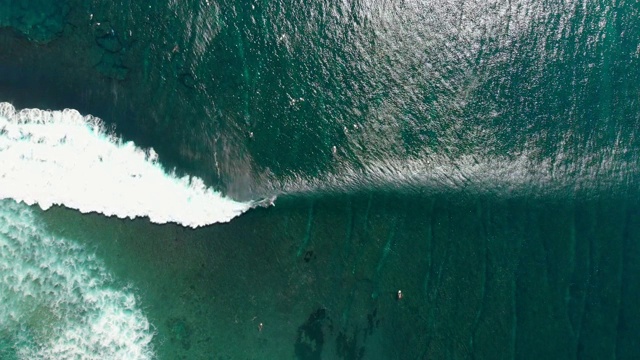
{"x":480,"y":157}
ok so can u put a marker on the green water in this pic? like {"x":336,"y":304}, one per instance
{"x":480,"y":157}
{"x":488,"y":278}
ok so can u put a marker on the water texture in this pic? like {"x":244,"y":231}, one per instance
{"x":481,"y":157}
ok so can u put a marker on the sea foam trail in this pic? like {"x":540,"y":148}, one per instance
{"x":59,"y":301}
{"x":64,"y":158}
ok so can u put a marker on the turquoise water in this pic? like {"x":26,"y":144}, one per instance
{"x":265,"y":177}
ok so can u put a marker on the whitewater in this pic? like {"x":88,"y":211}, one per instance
{"x":64,"y":158}
{"x":58,"y":299}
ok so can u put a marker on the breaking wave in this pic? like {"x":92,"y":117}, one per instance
{"x":64,"y":158}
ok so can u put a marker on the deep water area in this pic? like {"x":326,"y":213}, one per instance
{"x":293,"y":166}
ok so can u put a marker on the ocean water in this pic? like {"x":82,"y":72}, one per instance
{"x":259,"y":179}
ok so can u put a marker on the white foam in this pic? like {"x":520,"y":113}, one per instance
{"x":64,"y":158}
{"x":59,"y":301}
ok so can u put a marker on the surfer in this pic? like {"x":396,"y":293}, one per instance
{"x":266,"y":202}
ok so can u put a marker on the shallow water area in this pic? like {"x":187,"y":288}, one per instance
{"x":59,"y":301}
{"x":322,"y":276}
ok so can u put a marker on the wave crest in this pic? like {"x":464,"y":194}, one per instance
{"x":64,"y":158}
